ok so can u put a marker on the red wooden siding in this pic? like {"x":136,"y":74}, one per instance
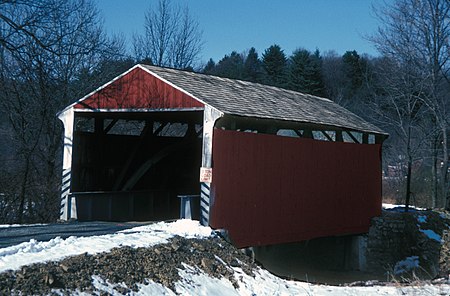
{"x":269,"y":189}
{"x":138,"y":90}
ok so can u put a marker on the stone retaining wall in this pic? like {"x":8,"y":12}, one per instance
{"x":397,"y":236}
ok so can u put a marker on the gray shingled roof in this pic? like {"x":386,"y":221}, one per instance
{"x":242,"y":98}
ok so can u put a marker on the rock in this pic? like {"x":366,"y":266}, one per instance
{"x":49,"y":279}
{"x":175,"y":246}
{"x":64,"y":267}
{"x":235,"y":263}
{"x":128,"y":265}
{"x":206,"y":263}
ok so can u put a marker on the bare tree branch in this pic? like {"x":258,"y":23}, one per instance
{"x":172,"y":37}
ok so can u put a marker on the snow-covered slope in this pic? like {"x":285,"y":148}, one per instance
{"x":194,"y":281}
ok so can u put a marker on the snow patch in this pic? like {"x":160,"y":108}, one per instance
{"x":422,"y":219}
{"x":431,"y":234}
{"x":400,"y":208}
{"x":34,"y":251}
{"x":195,"y":282}
{"x":20,"y":225}
{"x":184,"y":227}
{"x":406,"y":265}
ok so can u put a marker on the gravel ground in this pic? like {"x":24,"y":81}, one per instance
{"x":131,"y":266}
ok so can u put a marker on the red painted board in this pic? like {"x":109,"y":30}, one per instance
{"x":138,"y":89}
{"x":270,"y":189}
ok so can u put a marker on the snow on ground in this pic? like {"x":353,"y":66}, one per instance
{"x":400,"y":208}
{"x":428,"y":232}
{"x":143,"y":236}
{"x":422,"y":219}
{"x":408,"y":264}
{"x":20,"y":225}
{"x":194,"y":281}
{"x":431,"y":234}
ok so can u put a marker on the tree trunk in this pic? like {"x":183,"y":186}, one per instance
{"x":445,"y":186}
{"x":435,"y":203}
{"x":408,"y":185}
{"x":408,"y":173}
{"x":23,"y":192}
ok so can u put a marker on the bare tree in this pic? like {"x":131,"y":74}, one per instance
{"x":397,"y":105}
{"x":44,"y":46}
{"x":417,"y":33}
{"x":172,"y":37}
{"x":334,"y":77}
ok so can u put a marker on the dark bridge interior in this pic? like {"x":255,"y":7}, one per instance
{"x":132,"y":166}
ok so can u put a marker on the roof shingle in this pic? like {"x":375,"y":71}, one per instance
{"x":242,"y":98}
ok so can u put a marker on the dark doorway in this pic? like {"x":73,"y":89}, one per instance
{"x":132,"y":167}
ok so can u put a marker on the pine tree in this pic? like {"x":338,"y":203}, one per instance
{"x":353,"y":69}
{"x":210,"y":67}
{"x":252,"y":67}
{"x":274,"y":63}
{"x":316,"y":78}
{"x":305,"y":73}
{"x":231,"y":66}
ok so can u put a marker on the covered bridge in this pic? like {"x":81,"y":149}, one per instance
{"x":270,"y":165}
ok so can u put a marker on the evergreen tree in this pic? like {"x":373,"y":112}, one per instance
{"x":354,"y":69}
{"x":274,"y":63}
{"x":210,"y":67}
{"x":252,"y":67}
{"x":305,"y":72}
{"x":231,"y":66}
{"x":317,"y":84}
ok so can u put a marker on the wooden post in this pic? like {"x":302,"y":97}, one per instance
{"x":110,"y":203}
{"x":98,"y":125}
{"x":271,"y":130}
{"x":210,"y":116}
{"x":365,"y":138}
{"x":307,"y":133}
{"x":131,"y":208}
{"x":379,"y":139}
{"x":68,"y":208}
{"x":99,"y":173}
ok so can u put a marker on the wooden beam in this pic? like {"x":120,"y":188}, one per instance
{"x":157,"y":157}
{"x":355,"y":140}
{"x":160,"y":128}
{"x":110,"y":125}
{"x":327,"y":136}
{"x":339,"y":137}
{"x":299,"y":134}
{"x":147,"y":129}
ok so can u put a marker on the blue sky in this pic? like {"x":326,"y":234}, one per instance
{"x":229,"y":25}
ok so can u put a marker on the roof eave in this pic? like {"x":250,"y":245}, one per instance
{"x":323,"y":125}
